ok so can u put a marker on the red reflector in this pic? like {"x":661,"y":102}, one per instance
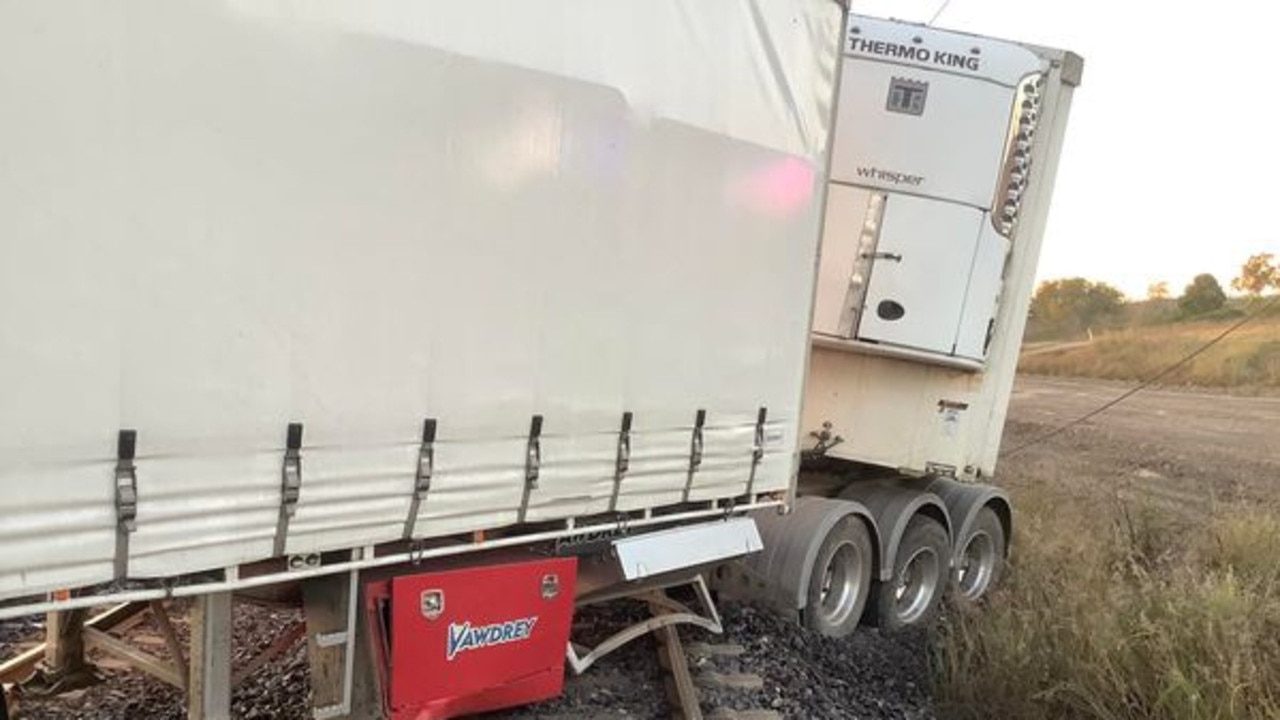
{"x":472,"y":640}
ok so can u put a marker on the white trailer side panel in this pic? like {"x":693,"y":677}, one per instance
{"x":218,"y":218}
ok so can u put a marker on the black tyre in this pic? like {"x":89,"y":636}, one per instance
{"x":979,"y":558}
{"x":840,"y":581}
{"x":920,"y":573}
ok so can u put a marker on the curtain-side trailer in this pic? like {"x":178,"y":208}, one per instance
{"x":443,"y":319}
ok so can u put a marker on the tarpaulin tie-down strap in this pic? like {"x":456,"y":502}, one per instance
{"x":422,"y":477}
{"x":126,"y":494}
{"x":290,"y":484}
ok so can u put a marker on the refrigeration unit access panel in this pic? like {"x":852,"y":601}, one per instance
{"x":929,"y":165}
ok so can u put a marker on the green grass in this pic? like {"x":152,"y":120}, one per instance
{"x":1121,"y":613}
{"x":1248,"y":358}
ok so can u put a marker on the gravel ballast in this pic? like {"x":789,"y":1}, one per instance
{"x":866,"y":676}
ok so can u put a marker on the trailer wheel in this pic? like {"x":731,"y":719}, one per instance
{"x":841,"y":580}
{"x":912,"y":596}
{"x":980,"y":559}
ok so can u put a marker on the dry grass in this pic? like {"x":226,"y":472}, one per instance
{"x":1250,"y":357}
{"x":1122,"y":613}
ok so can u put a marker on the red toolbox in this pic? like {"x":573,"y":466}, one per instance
{"x":464,"y":641}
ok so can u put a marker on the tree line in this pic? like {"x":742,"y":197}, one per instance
{"x":1075,"y":307}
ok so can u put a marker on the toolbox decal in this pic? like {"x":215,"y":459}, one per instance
{"x":463,"y":637}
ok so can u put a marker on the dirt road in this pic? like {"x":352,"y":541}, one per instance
{"x":1181,"y":449}
{"x":1191,"y":420}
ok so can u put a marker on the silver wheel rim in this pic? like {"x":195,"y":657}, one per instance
{"x":916,"y":584}
{"x":977,"y":565}
{"x":838,"y":593}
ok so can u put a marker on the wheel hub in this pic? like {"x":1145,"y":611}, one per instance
{"x":838,"y":591}
{"x":916,"y":584}
{"x":977,"y":566}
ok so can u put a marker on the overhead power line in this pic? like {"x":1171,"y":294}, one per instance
{"x":938,"y":14}
{"x":1150,"y":381}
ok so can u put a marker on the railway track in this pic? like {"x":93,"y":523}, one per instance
{"x":720,"y":681}
{"x":683,"y":683}
{"x":762,"y":668}
{"x":139,"y":662}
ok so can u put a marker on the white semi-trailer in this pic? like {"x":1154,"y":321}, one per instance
{"x":446,"y":318}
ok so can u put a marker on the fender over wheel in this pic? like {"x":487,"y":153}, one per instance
{"x":840,"y":582}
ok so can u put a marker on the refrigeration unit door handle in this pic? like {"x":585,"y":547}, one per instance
{"x":895,"y":257}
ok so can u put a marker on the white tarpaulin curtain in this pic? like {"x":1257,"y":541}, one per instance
{"x":218,"y":218}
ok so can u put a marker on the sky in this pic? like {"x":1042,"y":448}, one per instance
{"x":1171,"y":155}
